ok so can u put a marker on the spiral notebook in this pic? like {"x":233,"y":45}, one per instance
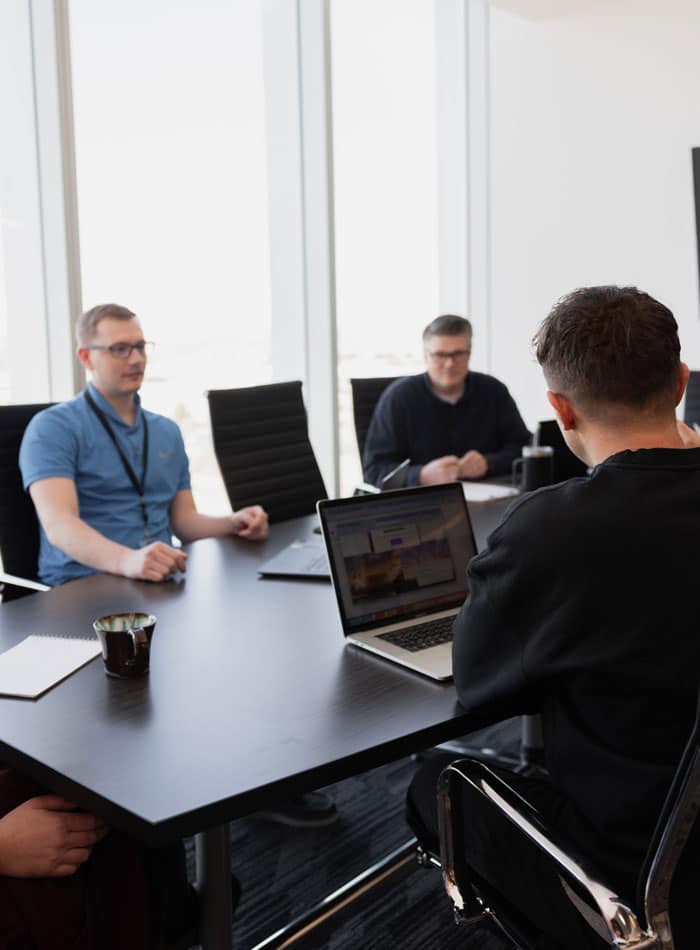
{"x":40,"y":661}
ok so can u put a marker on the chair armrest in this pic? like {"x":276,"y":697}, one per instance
{"x":470,"y":791}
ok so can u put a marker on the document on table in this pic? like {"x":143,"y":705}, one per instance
{"x":40,"y":661}
{"x":482,"y":491}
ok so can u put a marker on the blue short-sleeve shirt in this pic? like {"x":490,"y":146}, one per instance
{"x":69,"y":441}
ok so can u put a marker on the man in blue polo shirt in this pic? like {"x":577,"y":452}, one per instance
{"x":111,"y":486}
{"x":109,"y":480}
{"x":450,"y":422}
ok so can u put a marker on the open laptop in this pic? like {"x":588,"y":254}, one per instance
{"x":307,"y":558}
{"x":301,"y":558}
{"x":399,"y":569}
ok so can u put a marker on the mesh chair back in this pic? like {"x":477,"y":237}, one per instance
{"x":691,"y":412}
{"x":365,"y":396}
{"x":19,"y":527}
{"x":261,"y":441}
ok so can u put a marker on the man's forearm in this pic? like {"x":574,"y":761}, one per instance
{"x":86,"y":545}
{"x":195,"y":526}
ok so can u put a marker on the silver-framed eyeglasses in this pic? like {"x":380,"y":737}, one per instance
{"x":122,"y":351}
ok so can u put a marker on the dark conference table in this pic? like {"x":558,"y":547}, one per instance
{"x":252,"y":695}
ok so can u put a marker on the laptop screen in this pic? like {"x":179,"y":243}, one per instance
{"x":398,"y":555}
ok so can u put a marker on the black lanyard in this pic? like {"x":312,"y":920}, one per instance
{"x":139,"y":486}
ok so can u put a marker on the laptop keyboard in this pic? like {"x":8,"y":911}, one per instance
{"x":422,"y":635}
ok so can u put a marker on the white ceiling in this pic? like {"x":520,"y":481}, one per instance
{"x":544,"y":9}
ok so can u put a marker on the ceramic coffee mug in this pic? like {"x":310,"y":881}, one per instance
{"x":535,"y":468}
{"x":126,"y":642}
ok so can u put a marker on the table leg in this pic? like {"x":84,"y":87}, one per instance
{"x":213,"y":852}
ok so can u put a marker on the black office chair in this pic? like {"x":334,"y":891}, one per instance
{"x":591,"y":915}
{"x":565,"y":463}
{"x":19,"y":527}
{"x":691,"y":411}
{"x":261,"y":440}
{"x":365,"y":396}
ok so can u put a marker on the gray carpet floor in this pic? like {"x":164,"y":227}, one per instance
{"x":283,"y":871}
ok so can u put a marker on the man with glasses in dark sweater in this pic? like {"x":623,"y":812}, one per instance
{"x":451,"y":423}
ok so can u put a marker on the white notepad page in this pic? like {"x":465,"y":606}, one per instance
{"x":39,"y":662}
{"x":483,"y":491}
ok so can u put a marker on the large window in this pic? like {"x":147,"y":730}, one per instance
{"x":172,"y":114}
{"x":384,"y":127}
{"x":5,"y":393}
{"x":172,"y":194}
{"x":24,"y":376}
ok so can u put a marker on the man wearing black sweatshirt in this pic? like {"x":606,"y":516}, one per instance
{"x":581,"y":607}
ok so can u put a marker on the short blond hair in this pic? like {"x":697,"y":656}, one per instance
{"x":86,"y":324}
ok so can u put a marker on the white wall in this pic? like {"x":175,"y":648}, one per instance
{"x":593,"y":117}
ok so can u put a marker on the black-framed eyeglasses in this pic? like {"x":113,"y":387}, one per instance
{"x":456,"y":355}
{"x":122,"y":351}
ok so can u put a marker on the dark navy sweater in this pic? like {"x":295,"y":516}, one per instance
{"x":410,"y":421}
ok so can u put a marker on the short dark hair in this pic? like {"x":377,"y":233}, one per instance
{"x":86,"y":324}
{"x":610,"y":345}
{"x":448,"y":325}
